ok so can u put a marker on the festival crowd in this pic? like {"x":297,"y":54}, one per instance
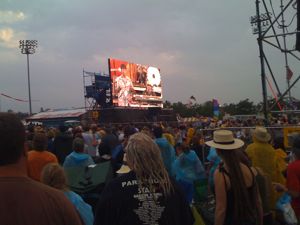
{"x":161,"y":174}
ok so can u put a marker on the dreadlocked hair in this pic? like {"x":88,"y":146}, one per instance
{"x":243,"y":203}
{"x":144,"y":158}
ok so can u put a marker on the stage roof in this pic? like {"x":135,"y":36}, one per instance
{"x":58,"y":114}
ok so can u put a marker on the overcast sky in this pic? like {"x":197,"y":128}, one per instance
{"x":203,"y":48}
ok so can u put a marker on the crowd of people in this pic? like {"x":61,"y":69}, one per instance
{"x":157,"y":170}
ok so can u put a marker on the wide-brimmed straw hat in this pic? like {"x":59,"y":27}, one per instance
{"x":224,"y":139}
{"x":261,"y":134}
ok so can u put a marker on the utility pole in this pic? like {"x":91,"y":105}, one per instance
{"x":262,"y":63}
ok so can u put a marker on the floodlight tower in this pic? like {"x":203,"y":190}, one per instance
{"x":28,"y":47}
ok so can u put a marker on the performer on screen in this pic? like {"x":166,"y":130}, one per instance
{"x":124,"y":87}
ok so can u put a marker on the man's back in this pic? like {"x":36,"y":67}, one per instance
{"x":262,"y":155}
{"x":36,"y":162}
{"x":27,"y":202}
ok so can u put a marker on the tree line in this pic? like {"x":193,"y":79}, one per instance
{"x":243,"y":107}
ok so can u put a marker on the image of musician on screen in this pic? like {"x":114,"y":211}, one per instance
{"x":124,"y":87}
{"x":141,"y":75}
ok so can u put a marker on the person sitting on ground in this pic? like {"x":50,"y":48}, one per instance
{"x":54,"y":176}
{"x":23,"y":200}
{"x":78,"y":157}
{"x":237,"y":196}
{"x":145,"y":195}
{"x":39,"y":157}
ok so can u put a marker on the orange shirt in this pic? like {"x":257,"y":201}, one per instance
{"x":36,"y":162}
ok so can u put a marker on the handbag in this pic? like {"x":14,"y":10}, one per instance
{"x":284,"y":204}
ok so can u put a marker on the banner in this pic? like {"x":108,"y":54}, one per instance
{"x":216,"y":108}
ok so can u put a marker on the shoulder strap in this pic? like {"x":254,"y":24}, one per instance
{"x":253,"y":176}
{"x":223,"y":171}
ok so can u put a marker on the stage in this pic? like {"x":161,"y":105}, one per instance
{"x":135,"y":115}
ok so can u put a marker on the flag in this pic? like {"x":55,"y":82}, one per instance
{"x":289,"y":73}
{"x":216,"y":108}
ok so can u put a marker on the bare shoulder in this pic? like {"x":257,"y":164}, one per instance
{"x":220,"y":178}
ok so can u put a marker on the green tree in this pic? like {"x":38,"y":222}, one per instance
{"x":206,"y":109}
{"x":245,"y":107}
{"x":167,"y":104}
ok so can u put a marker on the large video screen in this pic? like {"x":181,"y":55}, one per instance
{"x":135,"y":85}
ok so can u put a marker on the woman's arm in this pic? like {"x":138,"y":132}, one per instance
{"x":221,"y":198}
{"x":281,"y":188}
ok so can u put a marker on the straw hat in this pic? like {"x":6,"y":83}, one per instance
{"x":261,"y":134}
{"x":223,"y":139}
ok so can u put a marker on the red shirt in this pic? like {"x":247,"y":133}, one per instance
{"x":293,"y":183}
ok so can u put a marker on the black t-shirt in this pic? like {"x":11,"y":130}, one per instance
{"x":124,"y":202}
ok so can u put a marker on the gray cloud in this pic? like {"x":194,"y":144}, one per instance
{"x":205,"y":49}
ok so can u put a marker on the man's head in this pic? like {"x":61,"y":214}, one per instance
{"x":94,"y":128}
{"x":157,"y":132}
{"x":123,"y":69}
{"x":78,"y":145}
{"x":12,"y":139}
{"x":40,"y":141}
{"x":54,"y":176}
{"x":63,"y":128}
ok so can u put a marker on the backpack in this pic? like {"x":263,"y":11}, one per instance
{"x":264,"y":184}
{"x":89,"y":179}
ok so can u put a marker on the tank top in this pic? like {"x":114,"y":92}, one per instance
{"x":229,"y":217}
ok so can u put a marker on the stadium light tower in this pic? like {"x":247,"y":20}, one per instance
{"x":28,"y":47}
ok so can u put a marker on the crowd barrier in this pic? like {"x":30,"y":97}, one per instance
{"x":288,"y":133}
